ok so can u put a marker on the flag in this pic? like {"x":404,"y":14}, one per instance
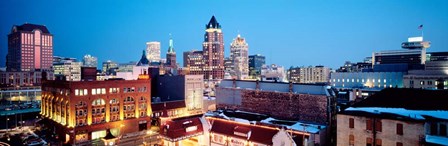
{"x":420,"y":27}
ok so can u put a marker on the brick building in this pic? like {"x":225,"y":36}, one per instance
{"x":80,"y":111}
{"x":409,"y":117}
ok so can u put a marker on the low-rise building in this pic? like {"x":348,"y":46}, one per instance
{"x":409,"y":117}
{"x":80,"y":111}
{"x":273,"y":73}
{"x":23,"y":78}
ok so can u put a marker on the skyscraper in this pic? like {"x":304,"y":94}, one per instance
{"x":109,"y":66}
{"x":30,"y":47}
{"x":153,"y":51}
{"x":89,"y":61}
{"x":255,"y":63}
{"x":213,"y":50}
{"x":171,"y":55}
{"x":239,"y":57}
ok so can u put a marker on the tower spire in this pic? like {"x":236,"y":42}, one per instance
{"x":171,"y":45}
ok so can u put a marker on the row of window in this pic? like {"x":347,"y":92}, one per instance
{"x":369,"y":141}
{"x":99,"y":91}
{"x":362,"y":80}
{"x":377,"y":127}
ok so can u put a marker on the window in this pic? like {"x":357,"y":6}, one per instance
{"x":399,"y":144}
{"x":93,"y":92}
{"x":443,"y":130}
{"x":378,"y":125}
{"x":103,"y":90}
{"x":378,"y":142}
{"x":351,"y":140}
{"x":76,"y":92}
{"x":369,"y":141}
{"x":369,"y":124}
{"x":351,"y":123}
{"x":400,"y":129}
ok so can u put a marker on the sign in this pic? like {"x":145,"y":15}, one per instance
{"x":191,"y":128}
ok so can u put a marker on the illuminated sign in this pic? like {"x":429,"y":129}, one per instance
{"x":191,"y":128}
{"x":415,"y":39}
{"x":237,"y":142}
{"x":240,"y":134}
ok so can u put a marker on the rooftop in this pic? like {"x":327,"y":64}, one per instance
{"x":31,"y":27}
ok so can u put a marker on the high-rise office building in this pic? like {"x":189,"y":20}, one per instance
{"x":30,"y":47}
{"x":109,"y":66}
{"x":171,"y":55}
{"x":153,"y":51}
{"x":255,"y":63}
{"x":239,"y":57}
{"x":89,"y":61}
{"x":68,"y":68}
{"x":213,"y":50}
{"x":316,"y":74}
{"x":194,"y":62}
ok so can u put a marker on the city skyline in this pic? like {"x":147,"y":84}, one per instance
{"x":271,"y":29}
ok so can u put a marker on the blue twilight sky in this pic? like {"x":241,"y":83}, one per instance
{"x":287,"y":32}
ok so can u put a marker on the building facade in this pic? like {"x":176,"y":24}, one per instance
{"x":194,"y":62}
{"x":317,"y":74}
{"x":255,"y":63}
{"x":68,"y":69}
{"x":153,"y":51}
{"x":109,"y":67}
{"x":80,"y":111}
{"x":406,"y":119}
{"x":378,"y":80}
{"x":239,"y":57}
{"x":89,"y":61}
{"x":14,"y":79}
{"x":30,"y":47}
{"x":273,"y":73}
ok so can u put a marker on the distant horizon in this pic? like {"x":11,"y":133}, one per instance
{"x":286,"y":33}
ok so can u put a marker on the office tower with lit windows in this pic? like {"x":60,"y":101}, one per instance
{"x":30,"y":47}
{"x":89,"y":61}
{"x":213,"y":50}
{"x":153,"y":51}
{"x":255,"y":63}
{"x":68,"y":68}
{"x":109,"y":67}
{"x":194,"y":62}
{"x":239,"y":57}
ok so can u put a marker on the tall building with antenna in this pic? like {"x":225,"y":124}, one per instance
{"x":171,"y":55}
{"x":213,"y":50}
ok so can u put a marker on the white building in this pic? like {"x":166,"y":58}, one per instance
{"x":153,"y":51}
{"x":377,"y":80}
{"x":68,"y":68}
{"x":273,"y":73}
{"x":89,"y":61}
{"x":239,"y":57}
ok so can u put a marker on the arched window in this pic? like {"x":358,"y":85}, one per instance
{"x":98,"y":102}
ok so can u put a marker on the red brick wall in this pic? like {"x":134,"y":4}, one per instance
{"x":312,"y":108}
